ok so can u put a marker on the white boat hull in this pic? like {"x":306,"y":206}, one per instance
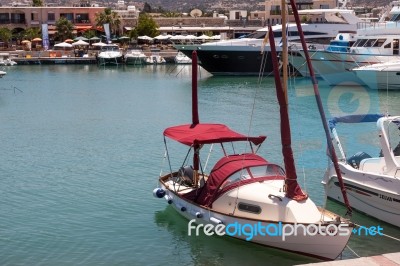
{"x":319,"y":246}
{"x":369,"y":193}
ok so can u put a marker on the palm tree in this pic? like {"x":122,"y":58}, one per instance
{"x":110,"y":17}
{"x":64,"y":28}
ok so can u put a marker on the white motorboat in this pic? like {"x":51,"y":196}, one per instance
{"x":155,"y":58}
{"x":2,"y":73}
{"x":5,"y":60}
{"x":382,"y":76}
{"x":372,"y":182}
{"x":244,"y":195}
{"x":242,"y":56}
{"x":181,"y":58}
{"x":110,"y":54}
{"x":135,"y":57}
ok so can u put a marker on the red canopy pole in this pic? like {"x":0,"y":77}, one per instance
{"x":320,"y":107}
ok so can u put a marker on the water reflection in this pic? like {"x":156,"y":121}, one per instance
{"x":214,"y":250}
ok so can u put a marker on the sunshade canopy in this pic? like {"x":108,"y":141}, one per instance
{"x":207,"y":134}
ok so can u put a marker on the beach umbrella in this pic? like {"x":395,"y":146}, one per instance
{"x":203,"y":37}
{"x":99,"y":44}
{"x":37,"y":40}
{"x":162,"y":37}
{"x":63,"y":45}
{"x":145,"y":37}
{"x":94,"y":39}
{"x":25,"y":41}
{"x":122,"y":38}
{"x":80,"y":42}
{"x":81,"y":38}
{"x":69,"y":40}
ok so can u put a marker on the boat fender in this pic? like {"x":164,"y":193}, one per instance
{"x":159,"y":193}
{"x":182,"y":208}
{"x":197,"y":214}
{"x":168,"y":199}
{"x":215,"y":220}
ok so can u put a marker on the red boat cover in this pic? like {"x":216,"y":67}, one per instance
{"x":223,"y":169}
{"x":207,"y":134}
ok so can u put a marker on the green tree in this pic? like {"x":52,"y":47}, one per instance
{"x":147,"y":26}
{"x":146,"y":8}
{"x":5,"y":36}
{"x":32,"y":33}
{"x":37,"y":2}
{"x":110,"y":17}
{"x":64,"y":29}
{"x":89,"y":34}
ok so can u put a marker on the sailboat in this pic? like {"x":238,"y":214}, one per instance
{"x":245,"y":196}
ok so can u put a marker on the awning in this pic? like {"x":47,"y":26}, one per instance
{"x":83,"y":28}
{"x":128,"y":28}
{"x":207,"y":134}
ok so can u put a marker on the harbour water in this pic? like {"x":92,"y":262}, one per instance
{"x":82,"y":147}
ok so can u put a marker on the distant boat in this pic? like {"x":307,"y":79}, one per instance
{"x":135,"y":57}
{"x":181,"y":58}
{"x":372,"y":182}
{"x":5,"y":60}
{"x":2,"y":73}
{"x":155,"y":58}
{"x":110,"y":54}
{"x":380,"y":76}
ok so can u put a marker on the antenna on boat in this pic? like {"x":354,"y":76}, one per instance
{"x":320,"y":107}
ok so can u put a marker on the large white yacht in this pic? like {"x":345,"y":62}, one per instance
{"x":244,"y":56}
{"x":378,"y":43}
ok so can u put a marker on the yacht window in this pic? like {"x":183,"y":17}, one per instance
{"x":357,"y":42}
{"x":257,"y":35}
{"x":370,"y":42}
{"x":245,"y":207}
{"x":362,"y":42}
{"x":379,"y":42}
{"x":395,"y":17}
{"x":388,"y":45}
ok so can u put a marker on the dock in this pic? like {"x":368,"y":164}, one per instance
{"x":390,"y":259}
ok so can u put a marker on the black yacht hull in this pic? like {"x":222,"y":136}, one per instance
{"x":240,"y":63}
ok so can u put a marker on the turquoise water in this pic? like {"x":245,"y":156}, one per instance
{"x":82,"y":147}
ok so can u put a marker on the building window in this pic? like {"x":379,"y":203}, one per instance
{"x":18,"y":18}
{"x":51,"y":17}
{"x":4,"y":18}
{"x":34,"y":16}
{"x":82,"y":18}
{"x":68,"y":16}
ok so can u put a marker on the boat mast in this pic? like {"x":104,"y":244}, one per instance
{"x":320,"y":107}
{"x":195,"y":118}
{"x":293,"y":190}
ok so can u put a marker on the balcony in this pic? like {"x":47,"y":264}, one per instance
{"x":275,"y":12}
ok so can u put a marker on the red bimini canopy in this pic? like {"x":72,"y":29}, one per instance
{"x":207,"y":134}
{"x":223,"y":169}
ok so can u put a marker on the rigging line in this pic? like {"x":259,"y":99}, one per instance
{"x":353,"y":251}
{"x":382,"y":234}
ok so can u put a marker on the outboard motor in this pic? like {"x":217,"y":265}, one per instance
{"x":186,"y":175}
{"x":357,"y":158}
